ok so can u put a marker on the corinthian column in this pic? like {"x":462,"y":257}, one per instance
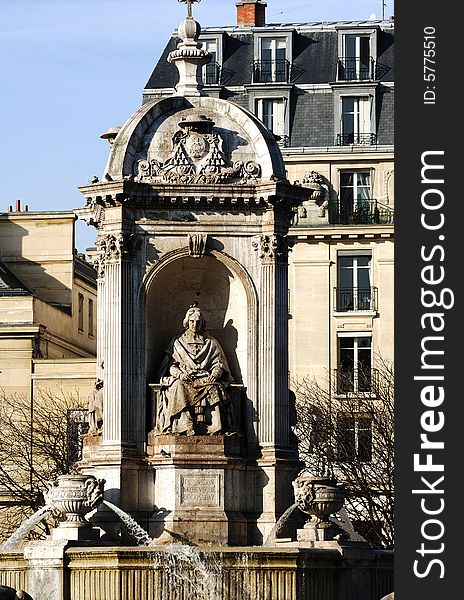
{"x":273,"y":429}
{"x":116,"y":335}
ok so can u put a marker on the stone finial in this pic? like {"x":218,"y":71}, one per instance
{"x":189,"y":57}
{"x":189,"y":5}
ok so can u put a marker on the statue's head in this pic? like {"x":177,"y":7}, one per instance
{"x":194,"y":319}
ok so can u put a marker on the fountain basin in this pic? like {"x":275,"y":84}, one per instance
{"x":243,"y":573}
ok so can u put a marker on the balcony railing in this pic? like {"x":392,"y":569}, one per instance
{"x":356,"y":69}
{"x":362,"y":139}
{"x":360,"y":212}
{"x":271,"y":71}
{"x":212,"y":74}
{"x":352,"y":299}
{"x":361,"y":380}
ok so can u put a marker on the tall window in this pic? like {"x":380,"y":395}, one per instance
{"x":272,"y":65}
{"x":80,"y":313}
{"x":356,"y":121}
{"x":211,"y":71}
{"x":354,"y":283}
{"x":271,"y":111}
{"x":354,"y":372}
{"x":90,"y":315}
{"x":355,"y":197}
{"x":354,"y":437}
{"x":356,"y":61}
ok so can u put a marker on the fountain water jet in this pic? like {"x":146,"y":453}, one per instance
{"x":142,"y":537}
{"x":13,"y":541}
{"x":184,"y":565}
{"x":280,"y":523}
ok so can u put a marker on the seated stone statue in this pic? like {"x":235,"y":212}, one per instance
{"x":194,"y":376}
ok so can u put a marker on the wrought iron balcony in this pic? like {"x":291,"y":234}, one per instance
{"x":362,"y":380}
{"x":362,"y":139}
{"x":212,"y":75}
{"x":356,"y":69}
{"x":271,"y":71}
{"x":360,"y":212}
{"x":352,"y":299}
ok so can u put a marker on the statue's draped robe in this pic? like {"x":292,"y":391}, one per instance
{"x":198,"y":356}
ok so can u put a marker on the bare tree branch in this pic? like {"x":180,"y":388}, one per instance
{"x":34,"y":450}
{"x":352,"y":436}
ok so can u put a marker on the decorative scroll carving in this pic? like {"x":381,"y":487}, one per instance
{"x":271,"y":248}
{"x":197,"y":244}
{"x":197,"y":157}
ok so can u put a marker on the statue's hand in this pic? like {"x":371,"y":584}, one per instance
{"x":212,"y":378}
{"x":184,"y":377}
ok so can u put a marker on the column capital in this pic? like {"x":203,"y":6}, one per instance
{"x":113,"y":248}
{"x":271,"y":248}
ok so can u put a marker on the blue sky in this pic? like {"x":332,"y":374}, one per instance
{"x":70,"y":69}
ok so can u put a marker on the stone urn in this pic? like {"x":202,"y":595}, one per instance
{"x":71,"y":497}
{"x":318,"y":496}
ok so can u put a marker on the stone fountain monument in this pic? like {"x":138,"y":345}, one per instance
{"x":193,"y":209}
{"x":191,"y":414}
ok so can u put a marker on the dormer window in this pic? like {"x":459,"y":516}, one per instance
{"x":211,"y":75}
{"x":356,"y":55}
{"x":355,"y":122}
{"x":271,"y":111}
{"x":213,"y":70}
{"x":272,"y":59}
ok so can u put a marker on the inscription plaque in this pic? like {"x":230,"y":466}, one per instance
{"x":199,"y":490}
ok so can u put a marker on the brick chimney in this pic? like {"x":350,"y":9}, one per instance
{"x":251,"y":13}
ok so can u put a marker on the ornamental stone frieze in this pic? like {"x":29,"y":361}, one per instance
{"x":271,"y":248}
{"x":197,"y":157}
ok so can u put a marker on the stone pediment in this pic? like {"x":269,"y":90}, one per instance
{"x":199,"y":140}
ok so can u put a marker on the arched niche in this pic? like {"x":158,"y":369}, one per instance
{"x":224,"y":295}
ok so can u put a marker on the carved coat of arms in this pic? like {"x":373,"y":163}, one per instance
{"x":197,"y":157}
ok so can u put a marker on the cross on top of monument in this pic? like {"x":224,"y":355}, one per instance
{"x":189,"y":6}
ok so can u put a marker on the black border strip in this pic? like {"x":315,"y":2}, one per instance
{"x":420,"y":128}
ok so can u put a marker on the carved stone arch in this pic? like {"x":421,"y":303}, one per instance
{"x":226,"y":295}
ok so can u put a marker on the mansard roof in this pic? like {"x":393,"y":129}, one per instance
{"x":315,"y":51}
